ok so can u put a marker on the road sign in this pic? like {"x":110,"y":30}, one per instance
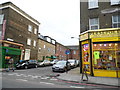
{"x":67,"y":52}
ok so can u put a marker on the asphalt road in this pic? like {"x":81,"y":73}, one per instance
{"x":41,"y":77}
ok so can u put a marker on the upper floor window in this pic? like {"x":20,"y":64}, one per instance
{"x":115,"y":2}
{"x":30,"y":28}
{"x":28,"y":41}
{"x":92,"y":4}
{"x":34,"y":43}
{"x":93,"y":23}
{"x":116,"y":21}
{"x":35,"y":31}
{"x":74,"y":52}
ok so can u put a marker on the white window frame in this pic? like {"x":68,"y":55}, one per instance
{"x":118,"y":22}
{"x":92,"y":4}
{"x":35,"y":30}
{"x":34,"y":43}
{"x":115,"y":2}
{"x":28,"y":41}
{"x":93,"y":24}
{"x":30,"y":28}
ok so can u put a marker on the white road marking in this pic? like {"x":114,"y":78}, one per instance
{"x":76,"y":87}
{"x":22,"y":80}
{"x":45,"y":77}
{"x":47,"y":83}
{"x":53,"y":79}
{"x":10,"y":74}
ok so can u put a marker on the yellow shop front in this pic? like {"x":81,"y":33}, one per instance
{"x":101,"y":52}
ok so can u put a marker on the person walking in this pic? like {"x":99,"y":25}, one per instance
{"x":11,"y":64}
{"x":84,"y":73}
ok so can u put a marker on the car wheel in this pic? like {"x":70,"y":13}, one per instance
{"x":26,"y":67}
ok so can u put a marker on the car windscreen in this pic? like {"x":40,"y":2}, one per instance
{"x":71,"y":61}
{"x":61,"y":63}
{"x":21,"y":61}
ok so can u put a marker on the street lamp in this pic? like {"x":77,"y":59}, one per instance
{"x":80,"y":63}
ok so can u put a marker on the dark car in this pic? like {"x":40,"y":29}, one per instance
{"x":61,"y":66}
{"x":26,"y":64}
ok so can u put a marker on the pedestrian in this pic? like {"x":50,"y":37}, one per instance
{"x":66,"y":69}
{"x":84,"y":73}
{"x":11,"y":64}
{"x":7,"y":64}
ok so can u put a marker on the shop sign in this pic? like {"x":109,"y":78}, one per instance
{"x":84,"y":36}
{"x":104,"y":34}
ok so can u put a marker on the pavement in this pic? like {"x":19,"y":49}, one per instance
{"x":75,"y":76}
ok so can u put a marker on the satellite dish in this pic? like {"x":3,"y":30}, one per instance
{"x":110,"y":10}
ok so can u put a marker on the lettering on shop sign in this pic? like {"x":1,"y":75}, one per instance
{"x":104,"y":34}
{"x":84,"y":36}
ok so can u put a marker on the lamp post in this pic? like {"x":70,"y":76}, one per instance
{"x":80,"y":63}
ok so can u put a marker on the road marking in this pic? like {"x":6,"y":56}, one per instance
{"x":47,"y":83}
{"x":54,"y":79}
{"x":76,"y":87}
{"x":22,"y":80}
{"x":10,"y":74}
{"x":45,"y":77}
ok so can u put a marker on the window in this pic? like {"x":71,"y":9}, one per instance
{"x":93,"y":24}
{"x":34,"y":43}
{"x":44,"y":46}
{"x":28,"y":41}
{"x":116,"y":21}
{"x":114,"y":2}
{"x":30,"y":28}
{"x":74,"y":52}
{"x":93,"y":4}
{"x":35,"y":31}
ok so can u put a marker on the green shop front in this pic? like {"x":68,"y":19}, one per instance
{"x":8,"y":50}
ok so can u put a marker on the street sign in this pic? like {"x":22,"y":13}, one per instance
{"x":67,"y":52}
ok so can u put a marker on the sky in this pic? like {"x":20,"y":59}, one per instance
{"x":60,"y":19}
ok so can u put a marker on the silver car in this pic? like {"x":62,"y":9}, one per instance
{"x":44,"y":63}
{"x":61,"y":66}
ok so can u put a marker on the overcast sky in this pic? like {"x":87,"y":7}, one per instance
{"x":60,"y":19}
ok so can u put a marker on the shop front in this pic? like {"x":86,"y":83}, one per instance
{"x":10,"y":50}
{"x":101,"y":52}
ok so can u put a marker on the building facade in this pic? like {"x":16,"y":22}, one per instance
{"x":100,"y":38}
{"x":46,"y":48}
{"x":61,"y":52}
{"x":19,"y":27}
{"x":74,"y":52}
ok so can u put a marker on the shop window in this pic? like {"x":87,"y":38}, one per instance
{"x":116,"y":21}
{"x":93,"y":23}
{"x":93,"y":4}
{"x":105,"y":56}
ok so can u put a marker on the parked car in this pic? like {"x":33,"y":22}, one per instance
{"x":61,"y":66}
{"x":26,"y":64}
{"x":73,"y":63}
{"x":44,"y":63}
{"x":54,"y":62}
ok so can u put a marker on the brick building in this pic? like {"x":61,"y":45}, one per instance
{"x":46,"y":48}
{"x":20,"y":28}
{"x":74,"y":52}
{"x":60,"y":51}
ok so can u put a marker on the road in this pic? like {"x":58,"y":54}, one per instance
{"x":41,"y":77}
